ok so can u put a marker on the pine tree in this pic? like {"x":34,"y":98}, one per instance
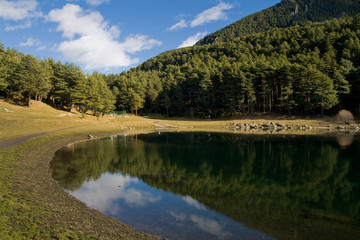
{"x":3,"y":69}
{"x":26,"y":78}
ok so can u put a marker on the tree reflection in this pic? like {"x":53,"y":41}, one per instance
{"x":286,"y":186}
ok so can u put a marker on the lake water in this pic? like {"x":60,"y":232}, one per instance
{"x":220,"y":185}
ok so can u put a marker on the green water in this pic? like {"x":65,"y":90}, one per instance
{"x":220,"y":186}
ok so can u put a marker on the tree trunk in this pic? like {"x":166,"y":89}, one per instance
{"x":29,"y":101}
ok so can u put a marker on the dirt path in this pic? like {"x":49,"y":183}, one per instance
{"x":14,"y":141}
{"x":162,"y":125}
{"x":8,"y":143}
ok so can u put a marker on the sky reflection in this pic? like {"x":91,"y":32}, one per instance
{"x":104,"y":194}
{"x":254,"y":182}
{"x":152,"y":210}
{"x":211,"y":226}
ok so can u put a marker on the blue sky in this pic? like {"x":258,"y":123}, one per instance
{"x":110,"y":36}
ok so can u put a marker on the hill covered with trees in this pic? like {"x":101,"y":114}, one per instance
{"x":285,"y":14}
{"x":298,"y":70}
{"x":305,"y":69}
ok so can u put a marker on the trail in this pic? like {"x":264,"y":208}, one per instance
{"x":6,"y":144}
{"x":14,"y":141}
{"x":159,"y":124}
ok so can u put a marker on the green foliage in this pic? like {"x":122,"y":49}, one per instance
{"x":3,"y":83}
{"x":63,"y":85}
{"x":305,"y":69}
{"x":285,"y":14}
{"x":298,"y":70}
{"x":30,"y":78}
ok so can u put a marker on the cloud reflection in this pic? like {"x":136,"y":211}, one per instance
{"x":104,"y":193}
{"x":179,"y":217}
{"x":192,"y":202}
{"x":204,"y":224}
{"x":210,"y":226}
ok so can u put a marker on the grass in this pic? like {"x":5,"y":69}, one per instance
{"x":22,"y":121}
{"x":33,"y":206}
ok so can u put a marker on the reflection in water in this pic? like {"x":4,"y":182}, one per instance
{"x":103,"y":193}
{"x":205,"y":186}
{"x":345,"y":140}
{"x":211,"y":226}
{"x":192,"y":202}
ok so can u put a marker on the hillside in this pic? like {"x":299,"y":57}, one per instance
{"x":285,"y":14}
{"x":308,"y":69}
{"x":303,"y":70}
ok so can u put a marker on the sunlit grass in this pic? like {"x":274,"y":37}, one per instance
{"x":21,"y":120}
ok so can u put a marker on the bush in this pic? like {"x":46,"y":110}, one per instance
{"x":345,"y":116}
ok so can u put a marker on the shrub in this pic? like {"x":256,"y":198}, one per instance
{"x":345,"y":116}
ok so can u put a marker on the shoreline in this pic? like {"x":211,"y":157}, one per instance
{"x":132,"y":132}
{"x":58,"y":213}
{"x":47,"y":210}
{"x":34,"y":206}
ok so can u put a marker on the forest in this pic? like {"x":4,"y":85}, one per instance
{"x":24,"y":77}
{"x":303,"y":70}
{"x":287,"y":13}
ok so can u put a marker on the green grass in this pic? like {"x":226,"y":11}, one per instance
{"x":33,"y":206}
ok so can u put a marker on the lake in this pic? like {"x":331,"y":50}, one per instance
{"x":205,"y":185}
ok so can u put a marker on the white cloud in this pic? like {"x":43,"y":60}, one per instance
{"x":30,"y":42}
{"x":27,"y":24}
{"x":190,"y":41}
{"x":18,"y":10}
{"x":96,"y":2}
{"x":90,"y":41}
{"x":138,"y":42}
{"x":41,"y":48}
{"x":211,"y":14}
{"x":180,"y":25}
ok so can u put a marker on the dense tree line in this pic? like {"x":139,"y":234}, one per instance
{"x":299,"y":70}
{"x":285,"y":14}
{"x":24,"y":77}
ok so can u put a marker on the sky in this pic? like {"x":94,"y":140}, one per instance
{"x":111,"y":36}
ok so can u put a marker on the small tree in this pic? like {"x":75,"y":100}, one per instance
{"x":136,"y":102}
{"x":345,"y":116}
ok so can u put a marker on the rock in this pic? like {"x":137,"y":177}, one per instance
{"x":252,"y":126}
{"x":7,"y":110}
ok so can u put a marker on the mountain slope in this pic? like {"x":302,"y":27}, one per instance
{"x":297,"y":70}
{"x":284,"y":14}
